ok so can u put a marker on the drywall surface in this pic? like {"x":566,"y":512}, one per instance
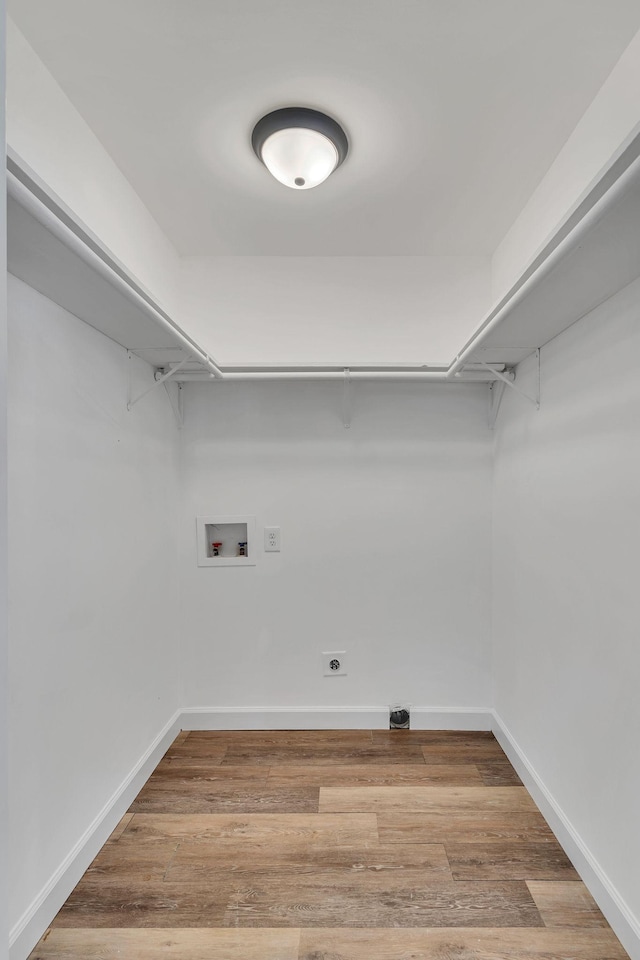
{"x":385,"y":531}
{"x":46,"y":130}
{"x":566,"y":601}
{"x":276,"y":310}
{"x":4,"y":869}
{"x":610,"y":119}
{"x":93,"y":580}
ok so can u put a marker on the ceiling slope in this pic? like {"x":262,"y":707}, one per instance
{"x":454,"y":110}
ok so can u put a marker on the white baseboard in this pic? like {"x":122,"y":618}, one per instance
{"x":623,"y":922}
{"x":451,"y":718}
{"x":331,"y":718}
{"x":33,"y":923}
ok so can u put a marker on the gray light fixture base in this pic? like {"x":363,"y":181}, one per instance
{"x":289,"y":117}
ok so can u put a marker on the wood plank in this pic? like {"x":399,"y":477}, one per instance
{"x":182,"y":736}
{"x":173,"y":944}
{"x":436,"y":904}
{"x":125,"y":861}
{"x":566,"y":904}
{"x":253,"y":738}
{"x":498,"y":773}
{"x":319,"y":865}
{"x":188,"y":769}
{"x":123,"y":823}
{"x":212,"y":752}
{"x":445,"y":746}
{"x":458,"y":944}
{"x":428,"y":799}
{"x":153,"y":903}
{"x":350,"y":830}
{"x":462,"y":827}
{"x":322,"y":754}
{"x":432,"y":737}
{"x":393,"y":774}
{"x":463,"y":752}
{"x":510,"y":861}
{"x":235,"y":796}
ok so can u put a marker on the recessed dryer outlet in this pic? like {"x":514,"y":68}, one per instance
{"x":334,"y":663}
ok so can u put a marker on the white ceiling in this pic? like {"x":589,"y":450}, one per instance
{"x":454,"y":109}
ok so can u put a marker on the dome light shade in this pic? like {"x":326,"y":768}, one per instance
{"x":299,"y":158}
{"x":299,"y":147}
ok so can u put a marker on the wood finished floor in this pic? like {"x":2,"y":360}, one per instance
{"x":331,"y":845}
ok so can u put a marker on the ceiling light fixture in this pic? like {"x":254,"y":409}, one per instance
{"x":299,"y":147}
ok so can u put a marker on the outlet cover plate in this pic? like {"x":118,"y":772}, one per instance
{"x":334,"y":663}
{"x":272,"y":539}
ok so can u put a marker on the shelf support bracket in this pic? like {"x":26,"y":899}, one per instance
{"x":129,"y":355}
{"x":159,"y":379}
{"x":176,"y":404}
{"x":509,"y":382}
{"x":346,"y":399}
{"x":496,"y":391}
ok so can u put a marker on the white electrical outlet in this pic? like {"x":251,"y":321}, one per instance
{"x":334,"y":664}
{"x":272,"y":539}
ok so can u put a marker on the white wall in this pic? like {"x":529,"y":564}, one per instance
{"x":566,"y":602}
{"x":385,"y":545}
{"x":46,"y":131}
{"x":93,"y":580}
{"x":4,"y":691}
{"x":312,"y":309}
{"x":609,"y":120}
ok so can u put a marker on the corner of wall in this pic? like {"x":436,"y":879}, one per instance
{"x":30,"y":927}
{"x":624,"y":924}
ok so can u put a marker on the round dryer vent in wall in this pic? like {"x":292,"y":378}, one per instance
{"x":399,"y":717}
